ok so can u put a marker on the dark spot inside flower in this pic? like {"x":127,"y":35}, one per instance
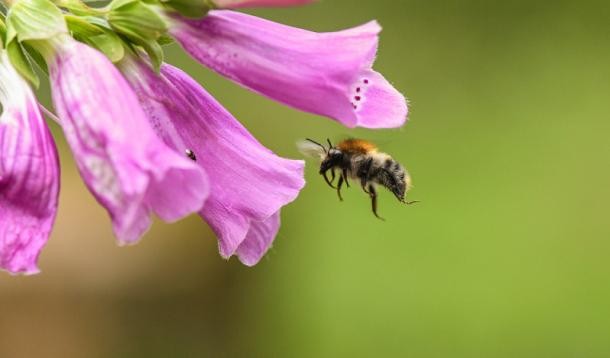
{"x":357,"y":98}
{"x":366,"y":82}
{"x":358,"y":89}
{"x":191,"y":155}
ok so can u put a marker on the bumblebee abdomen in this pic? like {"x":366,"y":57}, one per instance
{"x":393,"y":176}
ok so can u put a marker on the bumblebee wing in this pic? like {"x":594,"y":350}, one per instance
{"x":311,"y":149}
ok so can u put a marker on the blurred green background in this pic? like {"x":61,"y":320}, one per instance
{"x":507,"y":255}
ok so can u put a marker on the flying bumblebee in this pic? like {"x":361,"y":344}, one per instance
{"x":360,"y":160}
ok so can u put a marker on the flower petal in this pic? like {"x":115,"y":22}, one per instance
{"x":234,"y":4}
{"x":126,"y":167}
{"x":323,"y":73}
{"x":29,"y":175}
{"x":249,"y":184}
{"x":258,"y":240}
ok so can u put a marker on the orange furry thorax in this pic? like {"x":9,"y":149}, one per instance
{"x":353,"y":145}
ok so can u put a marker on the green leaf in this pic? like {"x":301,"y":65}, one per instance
{"x":34,"y":20}
{"x":22,"y":63}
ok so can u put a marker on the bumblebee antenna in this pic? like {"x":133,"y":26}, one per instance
{"x":329,"y":143}
{"x":316,"y":143}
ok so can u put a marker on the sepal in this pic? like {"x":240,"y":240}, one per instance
{"x":20,"y":60}
{"x":95,"y":34}
{"x":34,"y":20}
{"x":141,"y":24}
{"x":2,"y":32}
{"x":190,"y":8}
{"x":36,"y":58}
{"x":78,"y":7}
{"x":166,"y":40}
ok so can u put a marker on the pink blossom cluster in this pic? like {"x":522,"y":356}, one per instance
{"x":155,"y":142}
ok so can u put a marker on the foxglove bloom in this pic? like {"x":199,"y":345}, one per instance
{"x":328,"y":74}
{"x":249,"y":184}
{"x":29,"y":174}
{"x":127,"y":168}
{"x":158,"y":143}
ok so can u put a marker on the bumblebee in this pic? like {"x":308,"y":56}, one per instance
{"x":360,"y":160}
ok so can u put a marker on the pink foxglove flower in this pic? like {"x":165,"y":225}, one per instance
{"x":130,"y":171}
{"x":234,"y":4}
{"x":29,"y":174}
{"x":249,"y":184}
{"x":328,"y":74}
{"x":157,"y":143}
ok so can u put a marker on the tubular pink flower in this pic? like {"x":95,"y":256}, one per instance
{"x":29,"y":175}
{"x":234,"y":4}
{"x":127,"y":168}
{"x":258,"y":240}
{"x":249,"y":184}
{"x":328,"y":74}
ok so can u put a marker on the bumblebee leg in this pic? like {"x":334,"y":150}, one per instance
{"x":329,"y":182}
{"x":373,"y":195}
{"x":339,"y":185}
{"x":364,"y":173}
{"x":363,"y":182}
{"x":411,"y":202}
{"x":332,"y":178}
{"x":345,"y":177}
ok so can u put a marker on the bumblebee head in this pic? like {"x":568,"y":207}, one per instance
{"x":334,"y":157}
{"x":330,"y":157}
